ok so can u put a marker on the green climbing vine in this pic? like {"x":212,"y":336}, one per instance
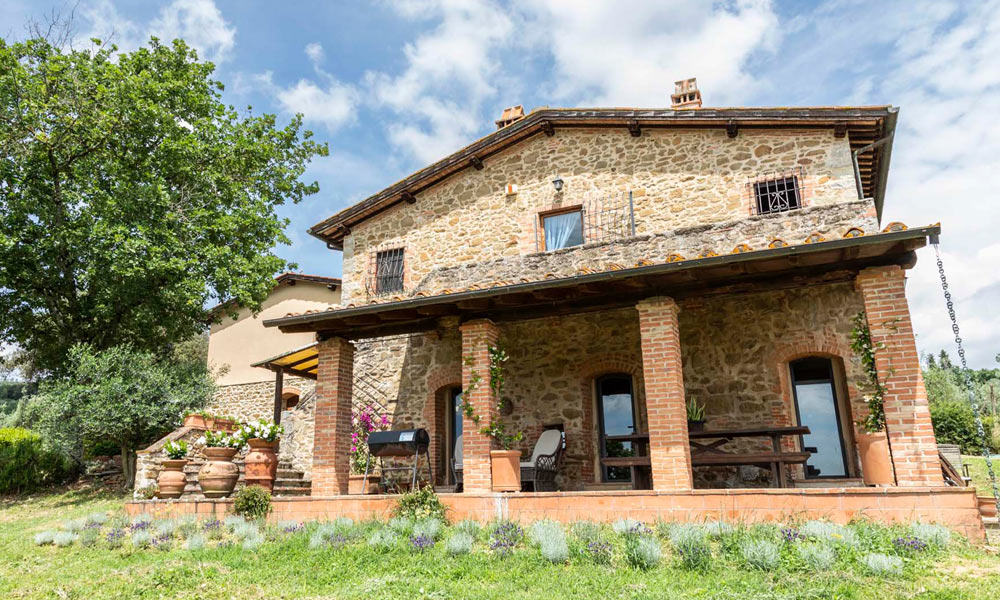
{"x":864,"y":348}
{"x":497,"y":429}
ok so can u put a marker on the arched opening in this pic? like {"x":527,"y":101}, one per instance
{"x":616,"y":416}
{"x":290,"y":398}
{"x":819,"y":406}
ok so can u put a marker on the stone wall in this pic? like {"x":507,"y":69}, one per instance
{"x":680,"y":180}
{"x":252,"y":401}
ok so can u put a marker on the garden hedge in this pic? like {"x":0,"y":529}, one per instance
{"x":26,"y":464}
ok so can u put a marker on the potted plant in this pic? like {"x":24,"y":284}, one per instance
{"x":261,"y":463}
{"x":505,"y":463}
{"x":873,"y":444}
{"x":695,"y":415}
{"x":219,"y":474}
{"x":225,"y":423}
{"x":171,"y":480}
{"x":196,"y":420}
{"x":364,"y":421}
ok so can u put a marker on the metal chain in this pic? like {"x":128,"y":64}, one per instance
{"x":967,"y":378}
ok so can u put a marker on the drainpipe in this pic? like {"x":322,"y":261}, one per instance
{"x":868,"y":148}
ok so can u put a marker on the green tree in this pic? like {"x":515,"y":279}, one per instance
{"x":131,"y":197}
{"x":123,"y":395}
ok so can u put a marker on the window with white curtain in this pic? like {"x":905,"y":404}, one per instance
{"x":563,"y":229}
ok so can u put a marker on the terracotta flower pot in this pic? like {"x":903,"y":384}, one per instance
{"x":506,"y":465}
{"x":219,"y":474}
{"x":196,"y":421}
{"x":987,"y":506}
{"x":355,"y":484}
{"x":172,"y":479}
{"x":876,"y":465}
{"x":227,"y":425}
{"x":261,"y":463}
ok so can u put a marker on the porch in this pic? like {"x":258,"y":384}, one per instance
{"x":725,"y":331}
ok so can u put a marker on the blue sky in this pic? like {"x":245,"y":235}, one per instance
{"x":393,"y":86}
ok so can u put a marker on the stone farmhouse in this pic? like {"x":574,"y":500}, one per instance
{"x":630,"y":261}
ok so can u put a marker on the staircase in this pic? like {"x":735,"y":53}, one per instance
{"x":289,"y":482}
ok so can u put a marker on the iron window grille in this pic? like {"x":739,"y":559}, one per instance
{"x":603,"y":219}
{"x":385,"y":272}
{"x":775,"y":192}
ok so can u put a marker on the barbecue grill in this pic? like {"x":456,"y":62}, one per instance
{"x":401,"y":443}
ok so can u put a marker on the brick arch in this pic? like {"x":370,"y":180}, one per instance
{"x":434,"y":412}
{"x":603,"y":364}
{"x":287,"y":393}
{"x":825,"y":344}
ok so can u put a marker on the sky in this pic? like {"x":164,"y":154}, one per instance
{"x":394,"y":86}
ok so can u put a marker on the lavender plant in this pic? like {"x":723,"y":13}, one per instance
{"x":429,"y":528}
{"x":64,"y":538}
{"x":459,"y":543}
{"x":115,"y":538}
{"x":932,"y":535}
{"x":882,"y":565}
{"x":382,"y":540}
{"x":598,"y":552}
{"x":44,"y":537}
{"x":817,"y":557}
{"x":420,"y":543}
{"x":760,"y":554}
{"x":642,"y":552}
{"x":504,"y":537}
{"x":196,"y":542}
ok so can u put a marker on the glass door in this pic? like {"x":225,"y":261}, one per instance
{"x":817,"y":408}
{"x":454,"y":422}
{"x":616,"y":416}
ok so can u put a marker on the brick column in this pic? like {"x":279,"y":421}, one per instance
{"x":669,"y":451}
{"x":332,"y":431}
{"x":477,"y":336}
{"x":908,"y":418}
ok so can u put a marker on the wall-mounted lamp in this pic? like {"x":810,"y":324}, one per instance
{"x":557,"y":183}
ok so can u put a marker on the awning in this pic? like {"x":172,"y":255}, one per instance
{"x":301,"y":362}
{"x":758,"y":270}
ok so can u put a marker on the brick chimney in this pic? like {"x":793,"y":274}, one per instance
{"x":510,"y":115}
{"x":686,"y":94}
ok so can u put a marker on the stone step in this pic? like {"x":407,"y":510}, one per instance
{"x":284,"y":483}
{"x":293,"y":491}
{"x":290,"y":474}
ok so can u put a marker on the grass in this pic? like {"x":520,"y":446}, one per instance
{"x":285,"y":566}
{"x":980,"y":477}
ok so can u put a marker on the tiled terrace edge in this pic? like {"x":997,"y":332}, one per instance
{"x":954,"y":507}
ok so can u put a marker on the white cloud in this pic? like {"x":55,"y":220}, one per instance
{"x":629,"y":53}
{"x":450,"y":73}
{"x":198,"y":22}
{"x":315,"y":53}
{"x":331,"y":105}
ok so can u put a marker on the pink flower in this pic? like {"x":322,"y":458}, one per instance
{"x":354,"y":448}
{"x":385,"y":420}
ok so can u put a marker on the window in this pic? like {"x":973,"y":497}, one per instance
{"x":616,"y":417}
{"x":777,"y":195}
{"x":817,"y":408}
{"x":562,"y":228}
{"x":388,"y":275}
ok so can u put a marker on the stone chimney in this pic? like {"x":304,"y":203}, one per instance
{"x":510,"y":115}
{"x":686,"y":94}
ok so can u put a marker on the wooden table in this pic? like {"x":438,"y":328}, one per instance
{"x":711,"y":454}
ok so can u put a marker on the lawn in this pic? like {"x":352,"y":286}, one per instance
{"x":339,"y":560}
{"x":979,"y":474}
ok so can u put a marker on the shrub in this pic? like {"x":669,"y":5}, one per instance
{"x":141,"y":539}
{"x":817,"y":557}
{"x":44,"y":537}
{"x":252,"y":502}
{"x":932,"y":535}
{"x":691,"y":544}
{"x":459,"y":543}
{"x":882,"y":564}
{"x":419,"y":543}
{"x":585,"y":531}
{"x":195,"y":542}
{"x":88,"y":537}
{"x":165,"y":527}
{"x":598,"y":552}
{"x":252,"y":542}
{"x":622,"y":526}
{"x":115,"y":538}
{"x":97,"y":517}
{"x":146,"y":492}
{"x":429,"y":528}
{"x":954,"y":423}
{"x":760,"y":554}
{"x":176,"y":450}
{"x":718,"y":529}
{"x":63,"y":538}
{"x":26,"y":464}
{"x":231,"y":521}
{"x":74,"y":525}
{"x":469,"y":527}
{"x":642,"y":552}
{"x":504,"y":537}
{"x":401,"y":525}
{"x":543,"y":530}
{"x":245,"y":530}
{"x":555,"y":549}
{"x":420,"y":504}
{"x":383,"y":539}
